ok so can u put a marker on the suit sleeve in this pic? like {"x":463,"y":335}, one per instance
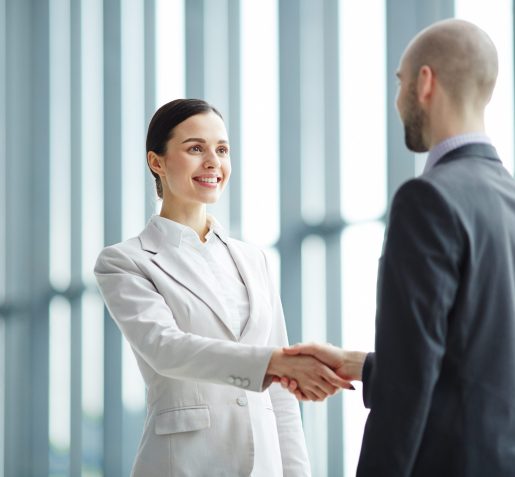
{"x":294,"y":453}
{"x":368,"y":369}
{"x":147,"y":323}
{"x":417,"y":286}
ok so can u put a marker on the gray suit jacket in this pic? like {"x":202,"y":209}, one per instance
{"x":441,"y":386}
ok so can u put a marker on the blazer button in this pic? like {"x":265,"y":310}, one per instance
{"x":245,"y":383}
{"x":242,"y":401}
{"x":237,"y":381}
{"x":230,"y":380}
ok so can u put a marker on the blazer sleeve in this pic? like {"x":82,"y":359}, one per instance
{"x":368,"y":369}
{"x":416,"y":291}
{"x":294,"y":453}
{"x":147,"y":323}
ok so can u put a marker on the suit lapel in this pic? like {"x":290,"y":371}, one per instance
{"x":184,"y":270}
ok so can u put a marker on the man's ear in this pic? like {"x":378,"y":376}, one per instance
{"x":155,"y":163}
{"x":425,"y":84}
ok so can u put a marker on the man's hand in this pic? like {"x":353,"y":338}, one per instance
{"x":346,"y":364}
{"x":314,"y":379}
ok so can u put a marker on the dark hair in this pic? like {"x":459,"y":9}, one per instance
{"x":165,"y":119}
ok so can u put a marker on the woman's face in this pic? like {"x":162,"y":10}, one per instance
{"x":197,"y":163}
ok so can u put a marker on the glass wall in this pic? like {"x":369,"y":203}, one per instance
{"x":307,"y":90}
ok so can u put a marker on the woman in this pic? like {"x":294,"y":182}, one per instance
{"x":203,"y":320}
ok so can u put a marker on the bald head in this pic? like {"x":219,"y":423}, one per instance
{"x":462,"y":57}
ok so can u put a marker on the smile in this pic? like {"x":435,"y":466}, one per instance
{"x":209,"y":180}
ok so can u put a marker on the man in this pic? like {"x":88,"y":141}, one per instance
{"x":441,"y":385}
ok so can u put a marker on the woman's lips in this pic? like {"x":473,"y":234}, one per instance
{"x":211,"y":182}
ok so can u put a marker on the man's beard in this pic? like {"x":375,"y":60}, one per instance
{"x":414,"y":123}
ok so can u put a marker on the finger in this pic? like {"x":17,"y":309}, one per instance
{"x":332,"y":378}
{"x":301,"y":348}
{"x":276,"y":379}
{"x":326,"y":391}
{"x":300,"y":396}
{"x":310,"y":396}
{"x":285,"y":382}
{"x":317,"y":391}
{"x":293,"y":385}
{"x":326,"y":388}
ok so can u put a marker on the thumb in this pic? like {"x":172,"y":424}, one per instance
{"x":309,"y":349}
{"x":293,"y":350}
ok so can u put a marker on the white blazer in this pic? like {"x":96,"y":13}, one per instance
{"x":202,"y":383}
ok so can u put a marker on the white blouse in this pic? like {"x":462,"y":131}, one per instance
{"x":219,"y":262}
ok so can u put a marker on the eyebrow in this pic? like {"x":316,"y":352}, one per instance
{"x":199,"y":139}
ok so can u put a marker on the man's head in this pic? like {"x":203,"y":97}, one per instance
{"x":447,"y":75}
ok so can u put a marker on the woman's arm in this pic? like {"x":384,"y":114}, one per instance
{"x":147,"y":323}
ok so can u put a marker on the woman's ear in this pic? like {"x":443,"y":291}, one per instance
{"x":155,"y":163}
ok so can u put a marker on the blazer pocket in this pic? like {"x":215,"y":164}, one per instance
{"x":185,"y":419}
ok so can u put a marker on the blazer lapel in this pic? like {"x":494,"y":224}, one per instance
{"x":171,"y":259}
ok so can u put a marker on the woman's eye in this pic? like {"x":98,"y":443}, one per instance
{"x":195,"y":149}
{"x":223,"y":150}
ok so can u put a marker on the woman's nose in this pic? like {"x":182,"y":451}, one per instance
{"x":212,"y":160}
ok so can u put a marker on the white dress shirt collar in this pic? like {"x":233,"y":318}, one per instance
{"x":177,"y":233}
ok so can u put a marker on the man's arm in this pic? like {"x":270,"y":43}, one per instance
{"x":417,"y":285}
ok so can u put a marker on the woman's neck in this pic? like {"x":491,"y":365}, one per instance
{"x":194,"y":217}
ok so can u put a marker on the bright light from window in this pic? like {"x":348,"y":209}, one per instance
{"x":361,"y":248}
{"x":92,"y":132}
{"x":312,"y":121}
{"x":59,"y":374}
{"x":2,"y":394}
{"x":260,"y":116}
{"x":134,"y":165}
{"x":363,"y":109}
{"x":170,"y":51}
{"x":92,"y":355}
{"x":3,"y":159}
{"x":92,"y":334}
{"x":314,"y":329}
{"x":498,"y":23}
{"x":60,"y":144}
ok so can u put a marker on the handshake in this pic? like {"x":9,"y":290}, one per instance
{"x":315,"y":371}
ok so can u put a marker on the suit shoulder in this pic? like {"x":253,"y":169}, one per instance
{"x":123,"y":251}
{"x":418,"y":189}
{"x":420,"y":199}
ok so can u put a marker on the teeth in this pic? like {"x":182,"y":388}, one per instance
{"x":210,"y":180}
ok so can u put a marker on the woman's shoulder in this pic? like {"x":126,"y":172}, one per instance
{"x":126,"y":251}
